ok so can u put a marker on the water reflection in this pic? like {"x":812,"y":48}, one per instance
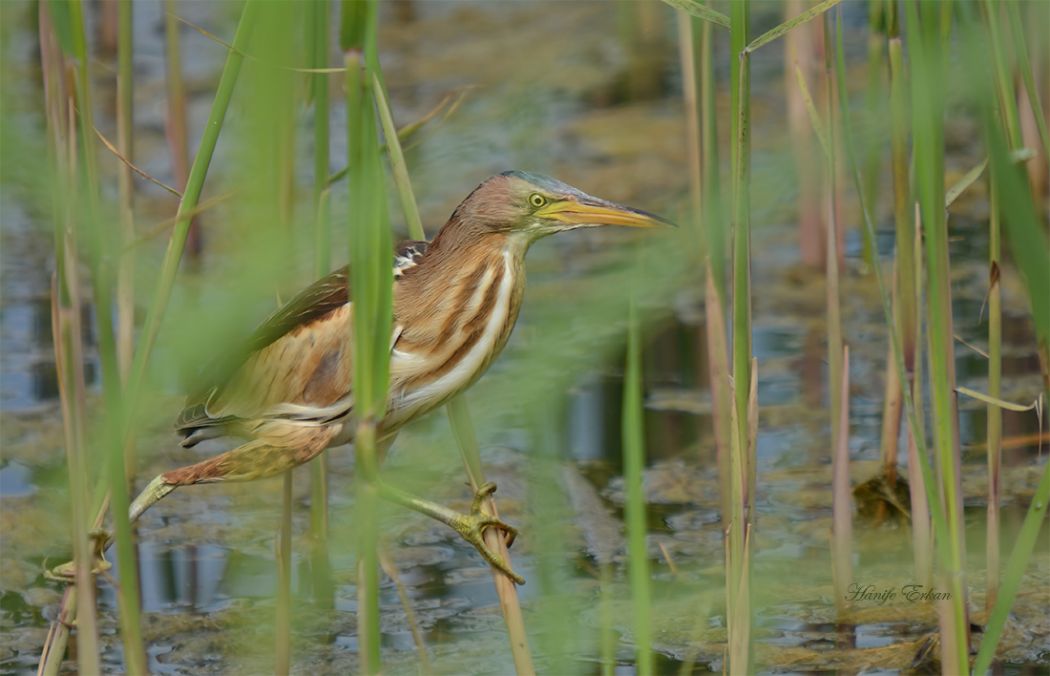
{"x":197,"y":578}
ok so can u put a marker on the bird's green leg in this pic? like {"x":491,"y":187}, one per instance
{"x":471,"y":527}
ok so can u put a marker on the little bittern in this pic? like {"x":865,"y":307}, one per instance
{"x":455,"y":302}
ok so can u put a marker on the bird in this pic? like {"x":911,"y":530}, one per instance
{"x":287,"y":391}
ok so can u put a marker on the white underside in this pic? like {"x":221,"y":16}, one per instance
{"x":468,"y":367}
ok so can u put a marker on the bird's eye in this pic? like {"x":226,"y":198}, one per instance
{"x":537,"y":200}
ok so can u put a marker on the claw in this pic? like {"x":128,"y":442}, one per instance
{"x":66,"y":572}
{"x":484,"y":490}
{"x":472,"y":529}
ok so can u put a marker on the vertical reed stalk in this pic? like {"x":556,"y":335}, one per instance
{"x":457,"y":409}
{"x":162,"y":294}
{"x":904,"y":271}
{"x":321,"y":567}
{"x":715,"y":283}
{"x":66,"y":330}
{"x":1024,"y":63}
{"x":175,"y":119}
{"x":928,"y":126}
{"x":103,"y":285}
{"x":698,"y":90}
{"x":190,"y":199}
{"x":842,"y":504}
{"x":1011,"y":121}
{"x":1026,"y":236}
{"x":371,"y":278}
{"x":283,"y":625}
{"x":125,"y":141}
{"x":994,"y":413}
{"x":741,"y":458}
{"x":838,"y":377}
{"x":606,"y":633}
{"x":831,"y":260}
{"x":634,"y":464}
{"x":873,"y":149}
{"x":463,"y":430}
{"x":920,"y":506}
{"x":941,"y":537}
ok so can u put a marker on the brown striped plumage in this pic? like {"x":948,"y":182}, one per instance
{"x":288,"y":389}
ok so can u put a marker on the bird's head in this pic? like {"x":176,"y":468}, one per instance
{"x":533,"y":206}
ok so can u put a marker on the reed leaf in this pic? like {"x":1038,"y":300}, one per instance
{"x":701,"y":11}
{"x":1024,"y":545}
{"x":781,"y":29}
{"x":960,"y":186}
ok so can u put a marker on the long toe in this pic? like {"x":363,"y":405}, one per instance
{"x":472,"y":528}
{"x":66,"y":572}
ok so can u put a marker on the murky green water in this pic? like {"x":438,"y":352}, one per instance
{"x":554,"y":93}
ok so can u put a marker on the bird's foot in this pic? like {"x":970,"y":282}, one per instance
{"x":100,"y":541}
{"x":472,"y":528}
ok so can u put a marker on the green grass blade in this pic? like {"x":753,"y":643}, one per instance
{"x":397,"y":162}
{"x":700,"y":11}
{"x":960,"y":186}
{"x":778,"y":31}
{"x":1024,"y":545}
{"x":634,"y":463}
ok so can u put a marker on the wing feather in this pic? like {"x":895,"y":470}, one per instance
{"x":280,"y":365}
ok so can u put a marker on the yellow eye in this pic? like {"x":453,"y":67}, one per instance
{"x":537,"y":200}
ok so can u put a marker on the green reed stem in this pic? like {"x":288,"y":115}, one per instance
{"x":904,"y":303}
{"x":458,"y":409}
{"x":65,"y":327}
{"x":1024,"y":544}
{"x":831,"y":263}
{"x":371,"y":278}
{"x":1024,"y":63}
{"x":711,"y":192}
{"x":994,"y":413}
{"x":317,"y":30}
{"x":914,"y":420}
{"x":742,"y":447}
{"x":1031,"y":254}
{"x":606,"y":632}
{"x":169,"y":266}
{"x":918,"y":467}
{"x":695,"y":52}
{"x":189,"y":201}
{"x":842,"y":496}
{"x":634,"y":464}
{"x":128,"y":596}
{"x":714,"y":225}
{"x":1004,"y":75}
{"x":838,"y":378}
{"x":283,"y":625}
{"x":928,"y":126}
{"x":463,"y":430}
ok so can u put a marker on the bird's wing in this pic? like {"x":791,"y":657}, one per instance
{"x":296,"y":363}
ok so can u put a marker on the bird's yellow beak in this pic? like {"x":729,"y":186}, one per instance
{"x":588,"y":212}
